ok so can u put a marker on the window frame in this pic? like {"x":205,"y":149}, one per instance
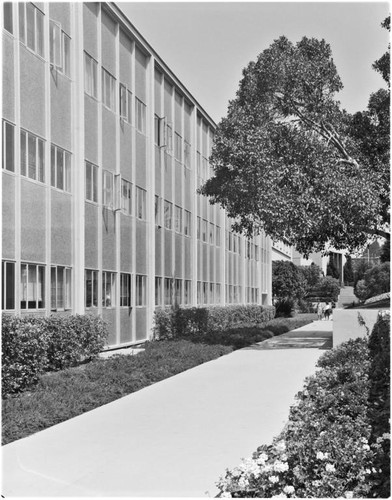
{"x":158,"y":291}
{"x":90,"y":76}
{"x":168,"y":214}
{"x":94,"y":288}
{"x":94,"y":181}
{"x":140,"y":116}
{"x":39,"y":167}
{"x":141,"y":195}
{"x":178,"y":147}
{"x":7,"y":287}
{"x":141,"y":290}
{"x":187,"y":223}
{"x":158,"y":211}
{"x":107,"y":189}
{"x":108,"y":94}
{"x":40,"y":270}
{"x":178,"y":219}
{"x":5,"y":160}
{"x":8,"y":17}
{"x":126,"y":201}
{"x":109,"y":280}
{"x":38,"y":45}
{"x":67,"y":168}
{"x":66,"y":272}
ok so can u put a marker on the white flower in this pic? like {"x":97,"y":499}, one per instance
{"x":226,"y":494}
{"x":266,"y":468}
{"x":367,"y":471}
{"x":288,"y":489}
{"x":364,"y":440}
{"x":366,"y":447}
{"x":374,"y":470}
{"x":280,"y":466}
{"x":280,"y":446}
{"x":322,"y":456}
{"x":386,"y":435}
{"x":273,"y":479}
{"x":243,"y":483}
{"x":262,"y":458}
{"x":349,"y":494}
{"x":330,"y":468}
{"x":283,"y":457}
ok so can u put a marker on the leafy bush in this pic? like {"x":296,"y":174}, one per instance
{"x":328,"y":289}
{"x":284,"y":308}
{"x":198,"y":322}
{"x":288,"y":281}
{"x":24,"y":351}
{"x":325,"y":451}
{"x":375,"y":282}
{"x":379,"y":398}
{"x":32,"y":345}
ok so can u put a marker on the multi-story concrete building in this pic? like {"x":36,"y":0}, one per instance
{"x":103,"y":151}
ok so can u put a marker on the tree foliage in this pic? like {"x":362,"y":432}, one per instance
{"x":312,"y":275}
{"x":376,"y":281}
{"x":288,"y":160}
{"x":287,"y":281}
{"x":348,"y":271}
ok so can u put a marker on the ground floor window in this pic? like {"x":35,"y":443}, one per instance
{"x":125,"y":290}
{"x":158,"y":291}
{"x":168,"y":291}
{"x":32,"y":286}
{"x":188,"y":292}
{"x":91,"y":288}
{"x":178,"y":287}
{"x":60,"y":288}
{"x":8,"y":285}
{"x":141,"y":283}
{"x":108,"y":289}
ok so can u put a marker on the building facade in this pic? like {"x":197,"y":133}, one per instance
{"x":103,"y":152}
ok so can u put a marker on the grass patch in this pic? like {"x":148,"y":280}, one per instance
{"x":59,"y":396}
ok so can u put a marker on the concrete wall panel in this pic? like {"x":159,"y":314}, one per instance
{"x":157,"y":92}
{"x":8,"y":78}
{"x":178,"y":113}
{"x":91,"y":129}
{"x":33,"y":221}
{"x":125,"y":325}
{"x":212,"y":264}
{"x":158,"y":252}
{"x":141,"y":247}
{"x":178,"y":182}
{"x":188,"y":259}
{"x":126,"y":249}
{"x":60,"y":105}
{"x":61,"y":12}
{"x":205,"y":257}
{"x":8,"y":212}
{"x":126,"y":150}
{"x":90,"y":21}
{"x":188,"y":195}
{"x":91,"y":236}
{"x":140,"y":75}
{"x":61,"y":228}
{"x":125,"y":59}
{"x":178,"y":272}
{"x":141,"y":324}
{"x":168,"y":253}
{"x":109,"y":315}
{"x":108,"y":140}
{"x":158,"y":172}
{"x":168,"y":178}
{"x":140,"y":160}
{"x":32,"y":92}
{"x":168,"y":90}
{"x":108,"y":33}
{"x":108,"y":240}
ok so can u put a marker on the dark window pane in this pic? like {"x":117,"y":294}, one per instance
{"x":8,"y":16}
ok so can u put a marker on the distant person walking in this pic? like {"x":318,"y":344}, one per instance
{"x":328,"y":311}
{"x":320,"y":310}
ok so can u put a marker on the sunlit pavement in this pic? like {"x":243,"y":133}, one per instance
{"x":174,"y":438}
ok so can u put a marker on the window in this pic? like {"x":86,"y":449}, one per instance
{"x":217,"y":236}
{"x":7,"y":17}
{"x":212,"y":294}
{"x":60,"y":46}
{"x":140,"y":116}
{"x":158,"y":211}
{"x":8,"y":285}
{"x":205,"y":293}
{"x":60,"y":288}
{"x":91,"y":288}
{"x":140,"y":203}
{"x":168,"y":215}
{"x":158,"y":291}
{"x":125,"y":103}
{"x":91,"y":182}
{"x":31,"y":27}
{"x":108,"y":289}
{"x":198,"y":228}
{"x":217,"y":293}
{"x":141,"y":290}
{"x":107,"y":189}
{"x":32,"y":156}
{"x":178,"y":291}
{"x":212,"y":234}
{"x":177,"y":219}
{"x":187,"y":154}
{"x":90,"y":76}
{"x":159,"y":131}
{"x":108,"y":86}
{"x":32,"y":286}
{"x":60,"y":163}
{"x":187,"y":223}
{"x":168,"y":291}
{"x":125,"y":290}
{"x":199,"y":292}
{"x":126,"y":197}
{"x":188,"y":292}
{"x":204,"y":230}
{"x":8,"y":146}
{"x":177,"y":147}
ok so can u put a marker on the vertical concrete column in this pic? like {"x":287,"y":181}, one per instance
{"x":100,"y":156}
{"x":18,"y":211}
{"x":194,"y":243}
{"x":117,"y":186}
{"x":223,"y":258}
{"x":78,"y":166}
{"x":150,"y":180}
{"x":48,"y":191}
{"x":133,"y":180}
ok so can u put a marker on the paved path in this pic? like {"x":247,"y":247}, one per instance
{"x":172,"y":439}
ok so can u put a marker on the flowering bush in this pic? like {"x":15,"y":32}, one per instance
{"x":326,"y":450}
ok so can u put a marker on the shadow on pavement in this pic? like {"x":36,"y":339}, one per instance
{"x":296,"y":340}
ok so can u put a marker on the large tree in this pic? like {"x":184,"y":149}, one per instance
{"x":288,"y":160}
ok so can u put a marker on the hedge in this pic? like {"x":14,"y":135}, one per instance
{"x":197,"y":322}
{"x":32,"y":345}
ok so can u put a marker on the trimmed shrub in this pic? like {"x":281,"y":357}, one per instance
{"x":197,"y":322}
{"x":375,"y":282}
{"x":32,"y":345}
{"x":284,"y":308}
{"x":24,"y":352}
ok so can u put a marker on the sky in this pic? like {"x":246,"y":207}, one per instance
{"x":207,"y":44}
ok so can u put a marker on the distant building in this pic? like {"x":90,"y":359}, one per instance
{"x":103,"y":151}
{"x":280,"y":251}
{"x":336,"y":256}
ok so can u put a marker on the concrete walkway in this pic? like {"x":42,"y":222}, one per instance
{"x":174,"y":438}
